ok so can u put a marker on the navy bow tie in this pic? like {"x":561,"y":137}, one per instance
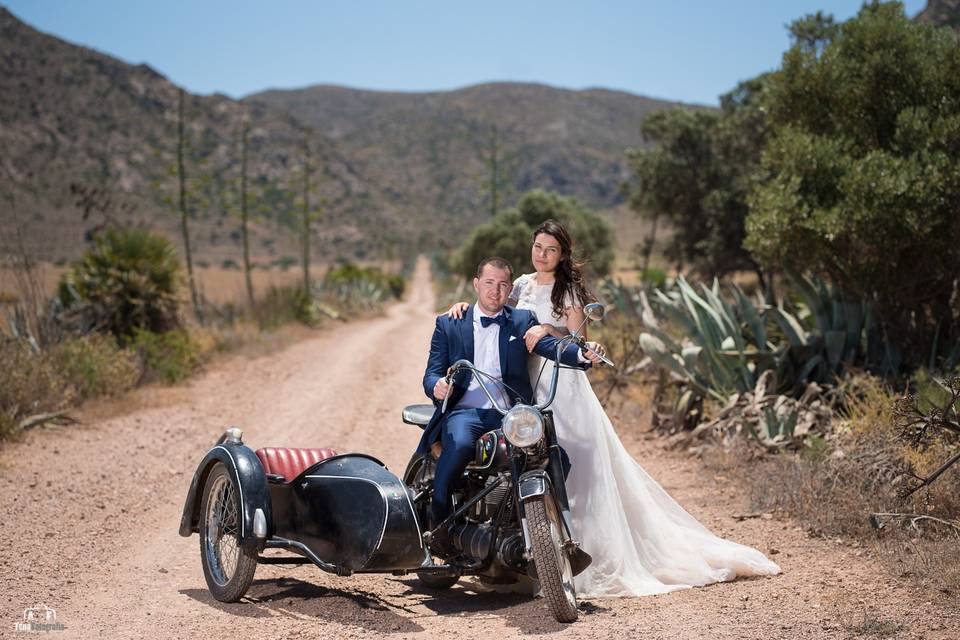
{"x":486,"y":321}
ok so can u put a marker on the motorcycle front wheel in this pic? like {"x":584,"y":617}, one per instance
{"x":228,"y":566}
{"x":550,"y":560}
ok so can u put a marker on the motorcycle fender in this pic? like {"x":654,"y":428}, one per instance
{"x":534,"y":483}
{"x":242,"y":463}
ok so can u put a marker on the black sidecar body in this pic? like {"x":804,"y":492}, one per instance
{"x":344,"y":513}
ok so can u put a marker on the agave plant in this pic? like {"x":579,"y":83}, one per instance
{"x":727,"y":346}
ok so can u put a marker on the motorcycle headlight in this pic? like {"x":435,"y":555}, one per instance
{"x":523,"y":426}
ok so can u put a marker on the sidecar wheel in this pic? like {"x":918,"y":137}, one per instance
{"x":228,"y":566}
{"x":550,"y":560}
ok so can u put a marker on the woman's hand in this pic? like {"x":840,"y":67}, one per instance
{"x":457,"y":310}
{"x":533,"y":335}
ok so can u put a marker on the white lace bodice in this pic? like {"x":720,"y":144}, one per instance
{"x":536,"y":297}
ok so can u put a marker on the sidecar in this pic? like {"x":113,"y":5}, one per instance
{"x":345,"y":513}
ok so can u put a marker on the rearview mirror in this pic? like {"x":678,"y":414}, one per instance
{"x":594,"y":311}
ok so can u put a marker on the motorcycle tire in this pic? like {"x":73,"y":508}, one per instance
{"x":551,"y":562}
{"x":228,"y":566}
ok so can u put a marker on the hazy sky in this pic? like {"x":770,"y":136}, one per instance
{"x":688,"y":50}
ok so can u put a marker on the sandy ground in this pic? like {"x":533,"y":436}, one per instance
{"x":90,"y":517}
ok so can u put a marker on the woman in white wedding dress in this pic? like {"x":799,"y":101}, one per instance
{"x":641,"y":540}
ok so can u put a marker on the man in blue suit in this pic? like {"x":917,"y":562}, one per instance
{"x":490,"y":335}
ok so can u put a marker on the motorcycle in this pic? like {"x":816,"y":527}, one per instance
{"x":347,"y":513}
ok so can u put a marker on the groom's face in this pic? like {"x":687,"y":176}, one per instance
{"x":493,"y":288}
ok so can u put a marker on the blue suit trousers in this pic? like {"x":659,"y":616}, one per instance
{"x":460,"y":431}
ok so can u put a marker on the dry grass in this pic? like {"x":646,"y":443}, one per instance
{"x":833,"y":488}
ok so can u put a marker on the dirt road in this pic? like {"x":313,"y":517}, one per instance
{"x":90,"y":515}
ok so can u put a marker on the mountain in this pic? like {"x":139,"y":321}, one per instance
{"x":396,"y":172}
{"x":433,"y":149}
{"x":945,"y":13}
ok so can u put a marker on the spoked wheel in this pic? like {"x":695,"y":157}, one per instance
{"x":418,"y":476}
{"x":551,"y":561}
{"x":227,"y":565}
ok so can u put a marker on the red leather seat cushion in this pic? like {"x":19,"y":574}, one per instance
{"x":290,"y":463}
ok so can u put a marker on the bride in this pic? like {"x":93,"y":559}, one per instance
{"x":641,"y":540}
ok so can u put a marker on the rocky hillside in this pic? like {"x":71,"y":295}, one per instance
{"x":941,"y":12}
{"x":70,"y":115}
{"x":396,"y":171}
{"x":433,"y":149}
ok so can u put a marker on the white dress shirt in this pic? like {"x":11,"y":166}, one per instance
{"x":486,"y":357}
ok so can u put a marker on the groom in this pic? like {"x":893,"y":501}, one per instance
{"x":490,"y":335}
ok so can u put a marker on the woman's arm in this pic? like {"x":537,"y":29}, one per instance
{"x":575,"y":317}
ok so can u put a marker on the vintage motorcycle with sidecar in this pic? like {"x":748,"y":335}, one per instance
{"x":347,"y":513}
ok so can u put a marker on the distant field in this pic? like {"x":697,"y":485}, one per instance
{"x":216,"y":283}
{"x":629,"y":232}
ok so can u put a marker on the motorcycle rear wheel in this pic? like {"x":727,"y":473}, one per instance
{"x":550,"y":560}
{"x":228,"y":566}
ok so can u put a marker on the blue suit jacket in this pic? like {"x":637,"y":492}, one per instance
{"x":453,"y":340}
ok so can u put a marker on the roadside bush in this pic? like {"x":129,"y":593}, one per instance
{"x":351,"y":276}
{"x":284,"y":305}
{"x":94,"y":365}
{"x":128,"y":281}
{"x":170,"y":356}
{"x":29,"y":384}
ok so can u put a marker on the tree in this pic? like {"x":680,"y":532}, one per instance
{"x":697,"y":176}
{"x":860,"y":180}
{"x":244,"y":211}
{"x":182,"y":206}
{"x":306,"y":213}
{"x":509,"y":233}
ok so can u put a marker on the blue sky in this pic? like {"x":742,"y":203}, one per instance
{"x":688,"y":50}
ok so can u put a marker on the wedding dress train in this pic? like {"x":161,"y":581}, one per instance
{"x":642,"y":541}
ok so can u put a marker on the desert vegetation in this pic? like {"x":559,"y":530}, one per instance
{"x":117,"y":320}
{"x":802,"y":328}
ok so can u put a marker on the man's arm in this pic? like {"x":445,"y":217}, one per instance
{"x":547,"y":347}
{"x":439,"y":360}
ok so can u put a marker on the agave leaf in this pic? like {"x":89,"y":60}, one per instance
{"x":834,"y":341}
{"x":808,"y":368}
{"x":749,"y":313}
{"x":854,"y":316}
{"x":791,"y":327}
{"x":813,"y":297}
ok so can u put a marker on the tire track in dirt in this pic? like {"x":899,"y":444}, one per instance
{"x":91,"y":515}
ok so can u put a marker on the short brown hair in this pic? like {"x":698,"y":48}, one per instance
{"x":499,"y":263}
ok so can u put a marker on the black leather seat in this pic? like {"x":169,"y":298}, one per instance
{"x":418,"y":414}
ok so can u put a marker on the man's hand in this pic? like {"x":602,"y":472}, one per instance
{"x":593,"y":351}
{"x":441,"y":389}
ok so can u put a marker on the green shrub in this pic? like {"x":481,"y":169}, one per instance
{"x":350,"y":280}
{"x":283,"y":305}
{"x":94,"y":365}
{"x":128,"y":281}
{"x":170,"y":356}
{"x":653,"y":277}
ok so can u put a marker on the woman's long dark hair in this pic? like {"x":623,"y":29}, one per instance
{"x":568,"y":277}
